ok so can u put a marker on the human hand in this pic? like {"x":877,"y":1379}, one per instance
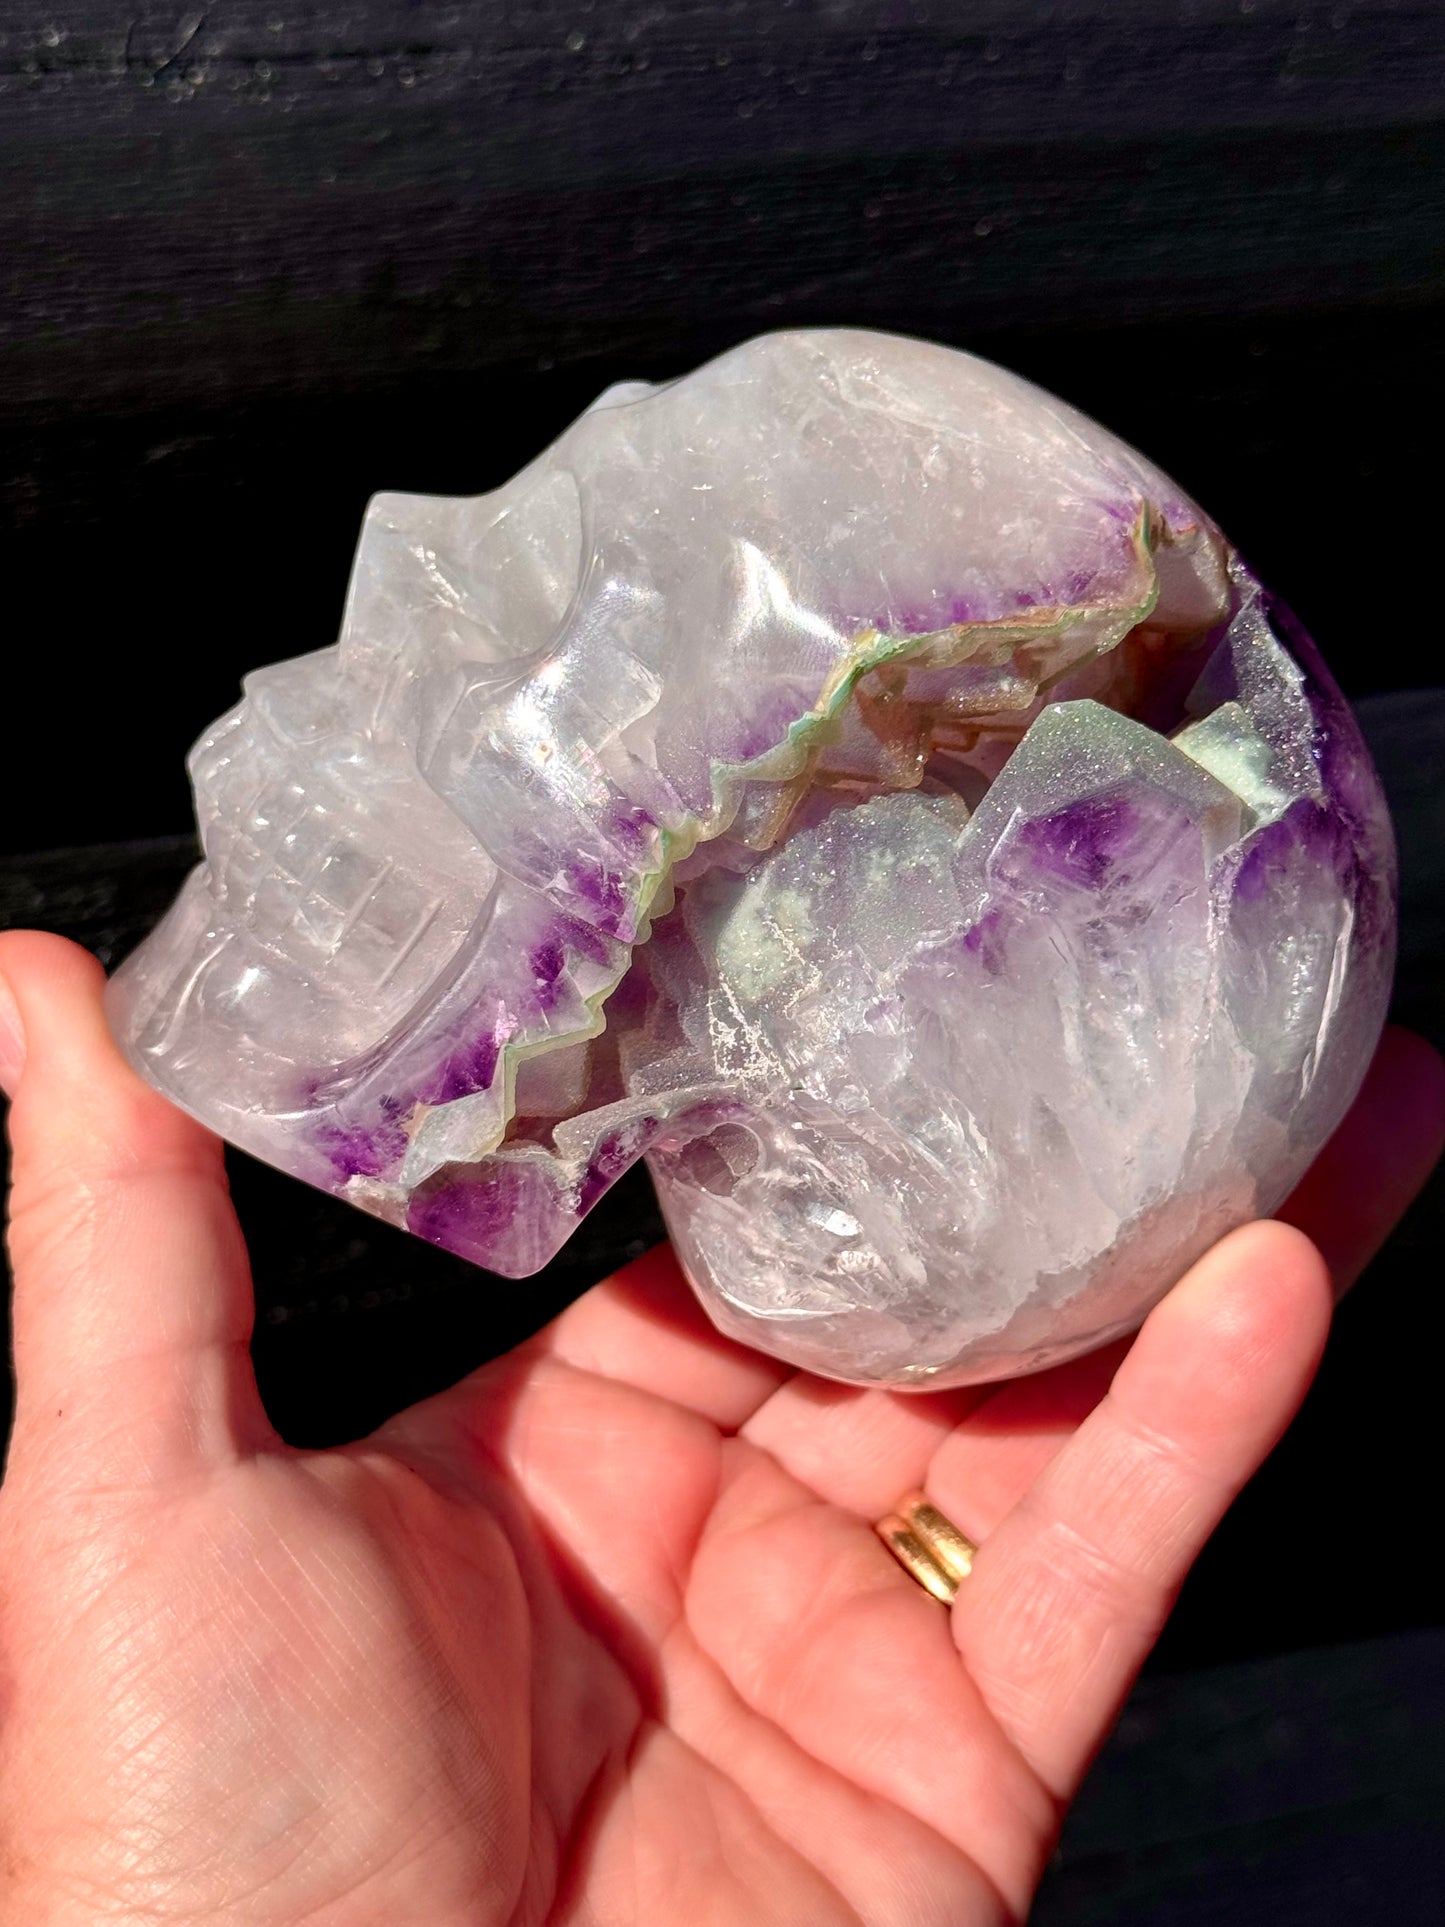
{"x":602,"y":1634}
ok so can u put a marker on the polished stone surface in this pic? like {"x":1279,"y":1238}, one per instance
{"x":847,"y":777}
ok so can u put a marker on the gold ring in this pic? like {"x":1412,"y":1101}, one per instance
{"x":928,"y":1545}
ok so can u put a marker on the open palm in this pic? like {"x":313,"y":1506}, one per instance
{"x":602,"y":1634}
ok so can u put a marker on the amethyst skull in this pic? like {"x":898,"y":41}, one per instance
{"x":849,"y":779}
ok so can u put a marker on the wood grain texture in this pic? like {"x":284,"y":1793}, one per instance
{"x":257,"y":261}
{"x":251,"y":198}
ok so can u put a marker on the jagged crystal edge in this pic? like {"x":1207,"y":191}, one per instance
{"x":1150,"y":995}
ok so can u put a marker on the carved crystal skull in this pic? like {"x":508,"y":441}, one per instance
{"x":850,"y":779}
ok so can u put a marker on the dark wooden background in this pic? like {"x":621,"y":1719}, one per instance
{"x":259,"y":260}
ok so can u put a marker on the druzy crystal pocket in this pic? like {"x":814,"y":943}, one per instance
{"x":847,"y":778}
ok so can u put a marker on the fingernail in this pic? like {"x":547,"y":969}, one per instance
{"x":12,"y":1039}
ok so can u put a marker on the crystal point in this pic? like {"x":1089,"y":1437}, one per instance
{"x":845,"y":777}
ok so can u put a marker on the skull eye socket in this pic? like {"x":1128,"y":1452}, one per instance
{"x":461,"y":582}
{"x":524,"y":565}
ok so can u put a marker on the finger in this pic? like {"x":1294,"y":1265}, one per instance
{"x":859,"y":1448}
{"x":643,"y":1327}
{"x":1069,"y":1592}
{"x":1378,"y":1159}
{"x":822,"y":1633}
{"x":978,"y":1449}
{"x":986,"y":1464}
{"x":133,"y":1308}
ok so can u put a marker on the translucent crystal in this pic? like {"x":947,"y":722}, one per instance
{"x":848,"y":778}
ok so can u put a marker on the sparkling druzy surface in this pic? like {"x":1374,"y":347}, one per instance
{"x":848,"y":778}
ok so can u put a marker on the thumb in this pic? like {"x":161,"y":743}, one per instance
{"x":12,"y":1040}
{"x":133,"y":1307}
